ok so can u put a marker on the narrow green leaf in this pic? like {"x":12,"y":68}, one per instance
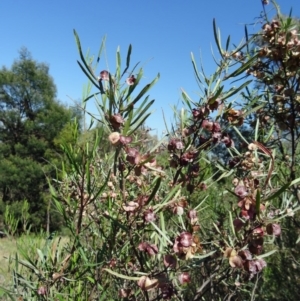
{"x":217,"y":94}
{"x":82,"y":56}
{"x":120,"y":275}
{"x":103,"y":186}
{"x":266,"y":139}
{"x":227,"y":43}
{"x":156,"y":146}
{"x":278,"y":192}
{"x":140,"y":107}
{"x":92,"y":280}
{"x":103,"y":295}
{"x":247,"y":38}
{"x":101,"y":48}
{"x":116,"y":221}
{"x":5,"y":292}
{"x":182,"y":119}
{"x":276,"y":6}
{"x":67,"y":149}
{"x":217,"y":85}
{"x":240,"y":134}
{"x":143,"y":112}
{"x":41,"y":255}
{"x":88,"y":177}
{"x":217,"y":37}
{"x":20,"y":280}
{"x":233,"y":91}
{"x":257,"y":204}
{"x":17,"y":262}
{"x":82,"y":253}
{"x":88,"y":75}
{"x":162,"y":225}
{"x":294,"y":182}
{"x":118,"y":67}
{"x":199,"y":205}
{"x":140,"y":273}
{"x":138,"y":125}
{"x":225,"y":174}
{"x":266,"y":254}
{"x":204,"y":255}
{"x":58,"y":206}
{"x":129,"y":116}
{"x":127,"y":59}
{"x":217,"y":228}
{"x":163,"y":234}
{"x":91,"y":96}
{"x":256,"y":130}
{"x":231,"y":223}
{"x":111,"y":96}
{"x":144,"y":90}
{"x":175,"y":191}
{"x":195,"y":68}
{"x":30,"y":266}
{"x":155,"y":189}
{"x":231,"y":192}
{"x":186,"y":99}
{"x":254,"y":109}
{"x":161,"y":172}
{"x":243,"y":68}
{"x":165,"y":123}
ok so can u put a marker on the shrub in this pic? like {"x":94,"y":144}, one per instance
{"x":140,"y":231}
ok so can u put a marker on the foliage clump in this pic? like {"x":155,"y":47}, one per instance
{"x":31,"y":121}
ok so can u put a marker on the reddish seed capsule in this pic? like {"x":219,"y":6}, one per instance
{"x":274,"y":229}
{"x":184,"y":278}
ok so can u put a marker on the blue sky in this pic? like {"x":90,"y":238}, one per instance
{"x":163,"y":33}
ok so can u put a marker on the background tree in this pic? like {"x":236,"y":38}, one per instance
{"x":31,"y":121}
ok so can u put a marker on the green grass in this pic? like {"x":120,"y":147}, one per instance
{"x":8,"y":247}
{"x":27,"y":244}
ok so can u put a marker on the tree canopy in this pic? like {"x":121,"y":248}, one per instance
{"x":31,"y":121}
